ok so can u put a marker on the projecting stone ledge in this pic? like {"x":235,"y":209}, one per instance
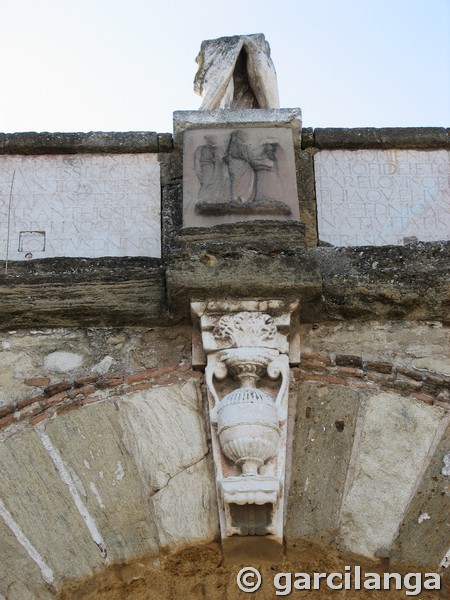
{"x":67,"y":292}
{"x":392,"y":282}
{"x":245,"y":260}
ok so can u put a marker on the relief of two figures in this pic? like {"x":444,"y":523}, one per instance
{"x":239,"y":174}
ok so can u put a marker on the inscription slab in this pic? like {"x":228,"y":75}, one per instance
{"x":382,"y":197}
{"x":88,"y":205}
{"x":238,"y":174}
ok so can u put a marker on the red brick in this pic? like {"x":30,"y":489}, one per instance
{"x":379,"y":377}
{"x":424,"y":398}
{"x":5,"y":410}
{"x":348,"y":371}
{"x":405,"y":384}
{"x":27,"y":401}
{"x":296,"y":373}
{"x":185,"y":367}
{"x":81,"y":381}
{"x":83,"y":391}
{"x":324,"y":378}
{"x":56,"y":388}
{"x":437,"y":380}
{"x":323,"y":358}
{"x":140,"y":375}
{"x":68,"y":407}
{"x":54,"y":399}
{"x":6,"y":421}
{"x":379,"y":367}
{"x":194,"y":375}
{"x":39,"y":418}
{"x":164,"y":371}
{"x":29,"y":411}
{"x":38,"y":381}
{"x":139,"y":386}
{"x":171,"y":380}
{"x":410,"y":373}
{"x":313,"y":365}
{"x":109,"y":383}
{"x":90,"y":400}
{"x":348,"y":360}
{"x":117,"y":375}
{"x":369,"y":385}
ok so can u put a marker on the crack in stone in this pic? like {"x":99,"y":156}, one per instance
{"x":179,"y":473}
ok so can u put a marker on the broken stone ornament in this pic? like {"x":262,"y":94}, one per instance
{"x":236,"y":72}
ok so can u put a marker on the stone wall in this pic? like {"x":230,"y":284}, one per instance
{"x":108,"y":485}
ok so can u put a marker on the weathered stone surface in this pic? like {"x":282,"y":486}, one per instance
{"x":307,"y":194}
{"x":390,"y":282}
{"x":241,"y":273}
{"x":184,"y":120}
{"x":186,"y":508}
{"x":80,"y":206}
{"x":127,"y":349}
{"x":324,"y":433}
{"x":90,"y":444}
{"x":62,"y":362}
{"x":426,"y":138}
{"x":76,"y":143}
{"x":240,"y":174}
{"x":43,"y":507}
{"x":74,"y":292}
{"x":385,"y":470}
{"x":148,"y":416}
{"x":424,"y":536}
{"x":165,"y":142}
{"x":165,"y":431}
{"x":236,"y":72}
{"x":20,"y":577}
{"x":433,"y":364}
{"x":382,"y":197}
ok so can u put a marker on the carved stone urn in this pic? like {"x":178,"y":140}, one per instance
{"x":247,"y":347}
{"x":247,"y":418}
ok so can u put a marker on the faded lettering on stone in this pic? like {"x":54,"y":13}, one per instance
{"x":382,"y":197}
{"x":239,"y":174}
{"x":79,"y":206}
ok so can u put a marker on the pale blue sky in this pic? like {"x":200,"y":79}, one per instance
{"x":119,"y":65}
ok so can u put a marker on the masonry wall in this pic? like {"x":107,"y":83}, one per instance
{"x":107,"y":481}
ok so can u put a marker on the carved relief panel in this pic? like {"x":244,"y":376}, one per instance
{"x":238,"y":174}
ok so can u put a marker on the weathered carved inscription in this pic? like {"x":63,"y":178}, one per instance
{"x":381,"y":197}
{"x":79,"y":206}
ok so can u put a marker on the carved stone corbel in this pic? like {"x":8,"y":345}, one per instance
{"x":246,"y":347}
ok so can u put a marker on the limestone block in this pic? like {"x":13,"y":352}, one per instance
{"x":324,"y":434}
{"x":84,"y":205}
{"x":381,"y":197}
{"x":424,"y":536}
{"x":20,"y":577}
{"x":90,"y":444}
{"x":243,"y":174}
{"x":395,"y":437}
{"x":43,"y":508}
{"x":185,"y":509}
{"x":164,"y":430}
